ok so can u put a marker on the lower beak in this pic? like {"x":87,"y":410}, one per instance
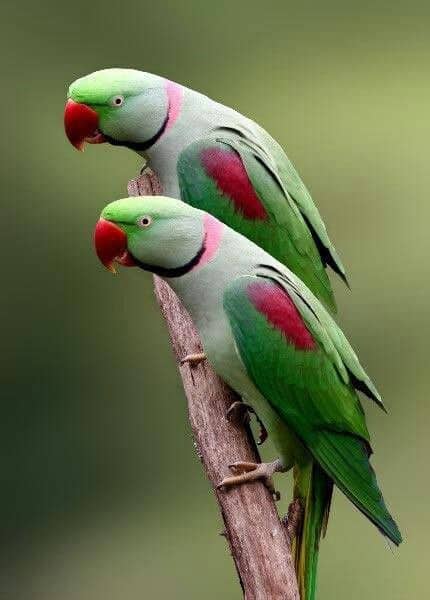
{"x":81,"y":125}
{"x":110,"y":243}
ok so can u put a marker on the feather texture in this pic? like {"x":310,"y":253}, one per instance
{"x":305,"y":380}
{"x":233,"y":179}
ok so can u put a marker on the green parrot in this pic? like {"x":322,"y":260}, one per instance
{"x":267,"y":335}
{"x":211,"y":157}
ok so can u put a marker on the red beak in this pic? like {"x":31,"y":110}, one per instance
{"x":81,"y":124}
{"x":111,"y":245}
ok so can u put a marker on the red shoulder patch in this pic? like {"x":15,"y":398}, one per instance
{"x":275,"y":304}
{"x":226,"y":168}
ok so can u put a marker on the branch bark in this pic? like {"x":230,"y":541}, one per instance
{"x":258,"y":541}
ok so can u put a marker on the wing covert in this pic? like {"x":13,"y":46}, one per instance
{"x":294,"y":368}
{"x":232,"y":178}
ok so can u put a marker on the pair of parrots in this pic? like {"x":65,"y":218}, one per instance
{"x":241,"y":242}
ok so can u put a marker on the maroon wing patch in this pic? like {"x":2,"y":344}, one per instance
{"x":275,"y":304}
{"x":226,"y":168}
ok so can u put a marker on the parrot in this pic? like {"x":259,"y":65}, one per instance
{"x":211,"y":157}
{"x":270,"y":339}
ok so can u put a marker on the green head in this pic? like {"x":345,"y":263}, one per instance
{"x":120,"y":106}
{"x":159,"y":234}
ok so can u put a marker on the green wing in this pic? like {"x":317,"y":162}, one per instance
{"x":293,"y":185}
{"x":235,"y":179}
{"x":302,"y":364}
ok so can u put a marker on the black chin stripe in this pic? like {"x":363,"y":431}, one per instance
{"x":141,"y":146}
{"x":174,"y":271}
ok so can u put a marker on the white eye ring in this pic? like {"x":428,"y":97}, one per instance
{"x":116,"y":101}
{"x":144,"y":221}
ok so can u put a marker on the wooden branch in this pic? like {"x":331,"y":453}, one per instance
{"x":259,"y":542}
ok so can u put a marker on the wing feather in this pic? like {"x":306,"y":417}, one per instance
{"x":284,"y":232}
{"x":308,"y":384}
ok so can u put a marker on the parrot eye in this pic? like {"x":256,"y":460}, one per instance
{"x":144,"y":221}
{"x":116,"y":101}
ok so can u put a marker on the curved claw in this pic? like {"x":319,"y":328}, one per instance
{"x":262,"y":436}
{"x":238,"y":413}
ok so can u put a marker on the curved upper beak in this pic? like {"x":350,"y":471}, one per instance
{"x":81,"y":125}
{"x":110,"y":243}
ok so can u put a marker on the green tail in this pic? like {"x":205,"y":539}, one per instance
{"x":314,"y":490}
{"x":344,"y":460}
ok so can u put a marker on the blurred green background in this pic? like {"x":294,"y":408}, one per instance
{"x":102,"y":495}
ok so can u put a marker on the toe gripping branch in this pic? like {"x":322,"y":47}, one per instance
{"x":245,"y":472}
{"x":239,"y":413}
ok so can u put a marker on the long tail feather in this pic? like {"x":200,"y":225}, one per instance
{"x":314,"y":490}
{"x":345,"y":458}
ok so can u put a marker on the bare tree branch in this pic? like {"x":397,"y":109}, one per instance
{"x":259,"y":542}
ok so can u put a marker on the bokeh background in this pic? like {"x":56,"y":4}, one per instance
{"x":102,"y":495}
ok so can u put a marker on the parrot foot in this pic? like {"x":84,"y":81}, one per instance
{"x":239,"y":413}
{"x":293,"y":518}
{"x":244,"y":472}
{"x":146,"y":184}
{"x":194,"y":359}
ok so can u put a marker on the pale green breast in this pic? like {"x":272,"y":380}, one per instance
{"x":202,"y":292}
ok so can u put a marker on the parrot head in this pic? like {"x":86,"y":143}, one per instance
{"x":158,"y":234}
{"x":124,"y":107}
